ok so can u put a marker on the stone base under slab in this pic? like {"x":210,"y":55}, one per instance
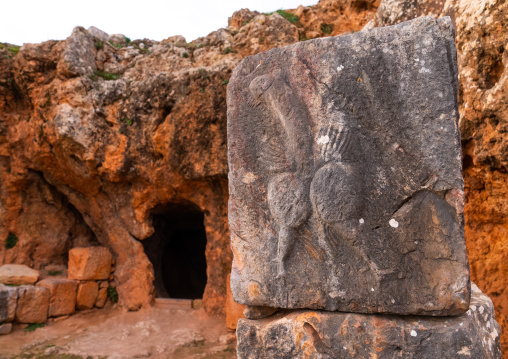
{"x":326,"y":335}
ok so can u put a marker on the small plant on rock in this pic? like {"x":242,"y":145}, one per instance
{"x":286,"y":15}
{"x":185,"y":55}
{"x":203,"y":73}
{"x":54,"y":272}
{"x":33,"y":327}
{"x":326,"y":28}
{"x":228,"y":50}
{"x":13,"y":49}
{"x":116,"y":46}
{"x":112,"y":294}
{"x":127,"y":40}
{"x":106,"y":75}
{"x":225,"y":82}
{"x":11,"y":241}
{"x":99,"y":45}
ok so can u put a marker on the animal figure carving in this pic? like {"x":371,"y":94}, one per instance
{"x":322,"y":179}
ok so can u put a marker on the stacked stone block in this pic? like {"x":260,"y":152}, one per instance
{"x":346,"y":195}
{"x":26,"y":299}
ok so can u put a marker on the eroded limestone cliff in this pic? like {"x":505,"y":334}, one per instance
{"x":98,"y":135}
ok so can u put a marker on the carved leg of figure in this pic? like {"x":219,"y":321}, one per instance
{"x":285,"y":245}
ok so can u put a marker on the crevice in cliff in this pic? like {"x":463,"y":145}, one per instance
{"x":81,"y":234}
{"x":177,"y":251}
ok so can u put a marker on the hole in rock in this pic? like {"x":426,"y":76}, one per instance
{"x":177,"y":251}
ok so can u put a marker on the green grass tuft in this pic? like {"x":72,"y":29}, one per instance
{"x":117,"y":46}
{"x":54,"y":272}
{"x":13,"y":48}
{"x":228,"y":50}
{"x":112,"y":294}
{"x":127,"y":121}
{"x":11,"y":241}
{"x":286,"y":15}
{"x":185,"y":55}
{"x":225,"y":82}
{"x":127,"y":40}
{"x":106,"y":75}
{"x":34,"y":326}
{"x":203,"y":73}
{"x":99,"y":45}
{"x":326,"y":28}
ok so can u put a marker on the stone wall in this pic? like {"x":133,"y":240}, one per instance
{"x":32,"y":297}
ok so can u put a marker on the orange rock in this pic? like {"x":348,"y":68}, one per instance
{"x":33,"y":304}
{"x":87,"y":295}
{"x":234,"y":311}
{"x":62,"y":293}
{"x":101,"y":297}
{"x":91,"y":263}
{"x":18,"y":274}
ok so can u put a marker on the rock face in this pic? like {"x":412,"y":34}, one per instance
{"x":481,"y":39}
{"x":8,"y":299}
{"x":92,"y":152}
{"x":92,"y":263}
{"x":168,"y":150}
{"x":234,"y":311}
{"x":33,"y":304}
{"x":62,"y":295}
{"x":346,"y":190}
{"x":327,"y":335}
{"x":18,"y":274}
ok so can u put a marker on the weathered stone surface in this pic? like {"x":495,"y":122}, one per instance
{"x":481,"y":40}
{"x":92,"y":263}
{"x":8,"y":298}
{"x":98,"y":33}
{"x":234,"y":311}
{"x":33,"y":304}
{"x":258,"y":312}
{"x":5,"y":328}
{"x":62,"y":295}
{"x":317,"y":334}
{"x":18,"y":274}
{"x":346,"y":190}
{"x":87,"y":295}
{"x":101,"y":297}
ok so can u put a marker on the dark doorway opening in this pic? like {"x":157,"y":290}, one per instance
{"x":177,"y":251}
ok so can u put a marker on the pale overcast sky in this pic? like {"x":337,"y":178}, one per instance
{"x":32,"y":21}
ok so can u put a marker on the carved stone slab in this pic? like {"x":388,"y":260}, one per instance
{"x":328,"y":335}
{"x":346,"y":190}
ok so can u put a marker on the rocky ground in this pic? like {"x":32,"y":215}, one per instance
{"x":157,"y":332}
{"x":97,"y":136}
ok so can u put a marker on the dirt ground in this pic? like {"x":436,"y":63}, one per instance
{"x":159,"y":332}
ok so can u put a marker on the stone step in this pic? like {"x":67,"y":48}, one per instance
{"x":173,"y":303}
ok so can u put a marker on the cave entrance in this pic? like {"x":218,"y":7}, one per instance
{"x":177,"y":251}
